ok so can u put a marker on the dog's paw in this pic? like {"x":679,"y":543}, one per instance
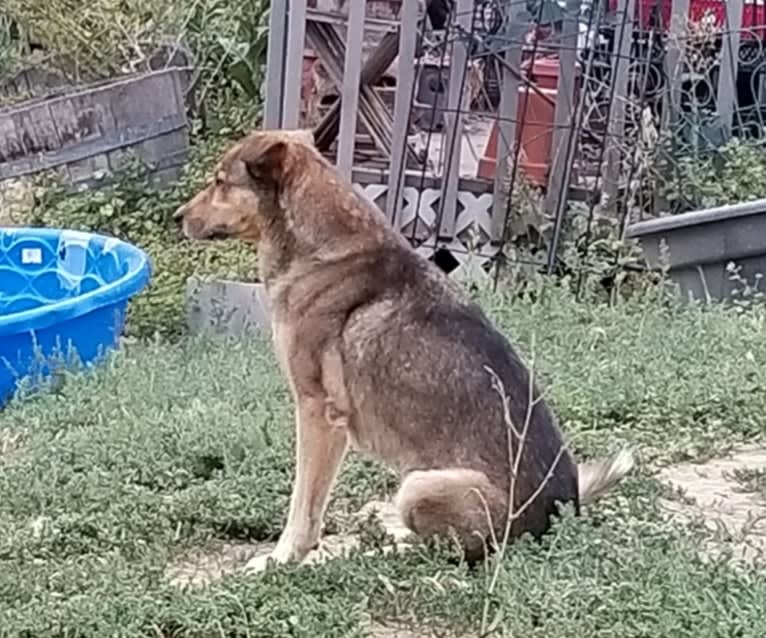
{"x":279,"y":555}
{"x":259,"y":563}
{"x":286,"y":550}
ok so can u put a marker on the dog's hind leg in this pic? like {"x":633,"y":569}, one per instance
{"x":460,"y":503}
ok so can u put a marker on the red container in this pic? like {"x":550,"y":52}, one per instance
{"x":753,"y":14}
{"x":535,"y":117}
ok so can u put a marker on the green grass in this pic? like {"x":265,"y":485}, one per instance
{"x":116,"y":474}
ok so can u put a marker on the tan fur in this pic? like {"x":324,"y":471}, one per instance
{"x":385,"y":354}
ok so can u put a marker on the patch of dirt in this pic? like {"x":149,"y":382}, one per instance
{"x":711,"y":492}
{"x":213,"y":563}
{"x":389,"y":631}
{"x":203,"y":566}
{"x":374,"y":629}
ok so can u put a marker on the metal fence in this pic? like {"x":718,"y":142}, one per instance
{"x":522,"y":132}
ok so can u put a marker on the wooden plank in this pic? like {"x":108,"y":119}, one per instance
{"x":181,"y":82}
{"x":507,"y":117}
{"x":727,"y":79}
{"x":79,"y":130}
{"x":145,"y":99}
{"x":89,"y":167}
{"x":350,"y":89}
{"x":372,"y":110}
{"x":36,"y":130}
{"x":674,"y":55}
{"x":409,"y":24}
{"x":324,"y":40}
{"x":376,"y":65}
{"x":373,"y":22}
{"x":26,"y":164}
{"x":296,"y":42}
{"x":275,"y":64}
{"x":457,"y":103}
{"x":564,"y":134}
{"x":623,"y":41}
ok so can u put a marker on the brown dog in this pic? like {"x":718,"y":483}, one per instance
{"x":384,"y":353}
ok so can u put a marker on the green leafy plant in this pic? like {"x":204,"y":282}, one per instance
{"x":592,"y":255}
{"x":731,"y":174}
{"x":248,"y":51}
{"x":176,"y":459}
{"x":133,"y":210}
{"x":13,"y":49}
{"x":224,"y":43}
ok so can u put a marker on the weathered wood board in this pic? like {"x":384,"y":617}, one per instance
{"x":85,"y":132}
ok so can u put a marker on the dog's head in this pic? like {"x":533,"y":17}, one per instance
{"x":243,"y":195}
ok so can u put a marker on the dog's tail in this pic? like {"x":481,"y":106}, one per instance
{"x":596,"y":479}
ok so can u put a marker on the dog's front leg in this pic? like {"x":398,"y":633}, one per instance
{"x":320,"y":448}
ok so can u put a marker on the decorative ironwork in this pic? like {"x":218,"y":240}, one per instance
{"x":521,"y":107}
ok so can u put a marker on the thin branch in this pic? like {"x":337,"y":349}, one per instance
{"x":514,"y":458}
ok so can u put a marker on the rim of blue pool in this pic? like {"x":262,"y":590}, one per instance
{"x":136,"y":276}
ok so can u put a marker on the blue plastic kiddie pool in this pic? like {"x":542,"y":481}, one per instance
{"x":62,"y":293}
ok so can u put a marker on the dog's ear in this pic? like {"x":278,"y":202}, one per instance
{"x":265,"y":159}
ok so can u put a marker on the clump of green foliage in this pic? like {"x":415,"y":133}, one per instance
{"x":85,"y":40}
{"x":733,"y":173}
{"x":132,"y":209}
{"x":10,"y":47}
